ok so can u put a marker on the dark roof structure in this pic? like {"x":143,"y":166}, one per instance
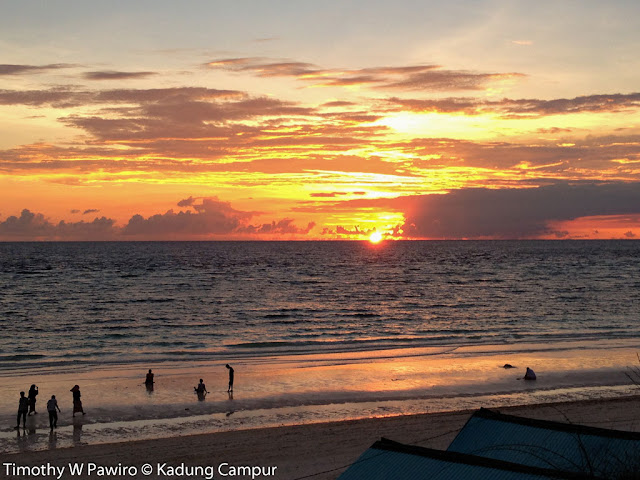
{"x":388,"y":460}
{"x":594,"y":451}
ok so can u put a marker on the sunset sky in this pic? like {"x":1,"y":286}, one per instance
{"x":319,"y":120}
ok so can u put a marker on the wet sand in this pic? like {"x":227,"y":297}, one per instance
{"x":316,"y":451}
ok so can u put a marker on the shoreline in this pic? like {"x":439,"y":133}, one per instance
{"x":319,"y":451}
{"x":281,"y":391}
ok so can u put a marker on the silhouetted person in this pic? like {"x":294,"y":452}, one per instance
{"x":52,"y":405}
{"x":530,"y":375}
{"x":230,"y":389}
{"x":201,"y":390}
{"x":23,"y":408}
{"x":77,"y":403}
{"x":148,"y":381}
{"x":33,"y":393}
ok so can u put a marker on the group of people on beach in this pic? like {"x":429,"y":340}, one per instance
{"x":27,"y":406}
{"x":27,"y":403}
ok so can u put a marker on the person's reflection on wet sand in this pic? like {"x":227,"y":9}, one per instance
{"x":53,"y":440}
{"x":77,"y":432}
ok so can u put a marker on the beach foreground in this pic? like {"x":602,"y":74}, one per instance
{"x":316,"y":451}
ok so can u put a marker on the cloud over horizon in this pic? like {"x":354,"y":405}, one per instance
{"x":515,"y":213}
{"x":507,"y":213}
{"x":35,"y":226}
{"x":209,"y":218}
{"x":469,"y":213}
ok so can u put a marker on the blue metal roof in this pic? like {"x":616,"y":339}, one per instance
{"x":561,"y":446}
{"x":387,"y":460}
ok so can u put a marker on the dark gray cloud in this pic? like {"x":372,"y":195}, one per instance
{"x":35,"y":226}
{"x":114,"y":75}
{"x":186,"y":202}
{"x":514,"y":213}
{"x":90,"y":210}
{"x":211,"y":217}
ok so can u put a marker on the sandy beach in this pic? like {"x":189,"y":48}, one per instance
{"x":317,"y":451}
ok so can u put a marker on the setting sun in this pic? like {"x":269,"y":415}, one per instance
{"x":375,"y":237}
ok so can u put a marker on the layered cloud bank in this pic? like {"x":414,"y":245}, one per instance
{"x":475,"y":213}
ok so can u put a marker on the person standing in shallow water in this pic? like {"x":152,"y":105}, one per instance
{"x":148,"y":381}
{"x":52,"y":405}
{"x":230,"y":389}
{"x":33,"y":393}
{"x":23,"y":408}
{"x":77,"y":403}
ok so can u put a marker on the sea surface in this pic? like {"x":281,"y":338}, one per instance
{"x":66,"y":304}
{"x":323,"y":330}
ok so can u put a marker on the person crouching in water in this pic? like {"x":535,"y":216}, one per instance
{"x":201,"y":390}
{"x":52,"y":405}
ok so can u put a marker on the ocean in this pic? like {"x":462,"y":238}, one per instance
{"x":315,"y":330}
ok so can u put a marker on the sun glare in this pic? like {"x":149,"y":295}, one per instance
{"x":375,"y":237}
